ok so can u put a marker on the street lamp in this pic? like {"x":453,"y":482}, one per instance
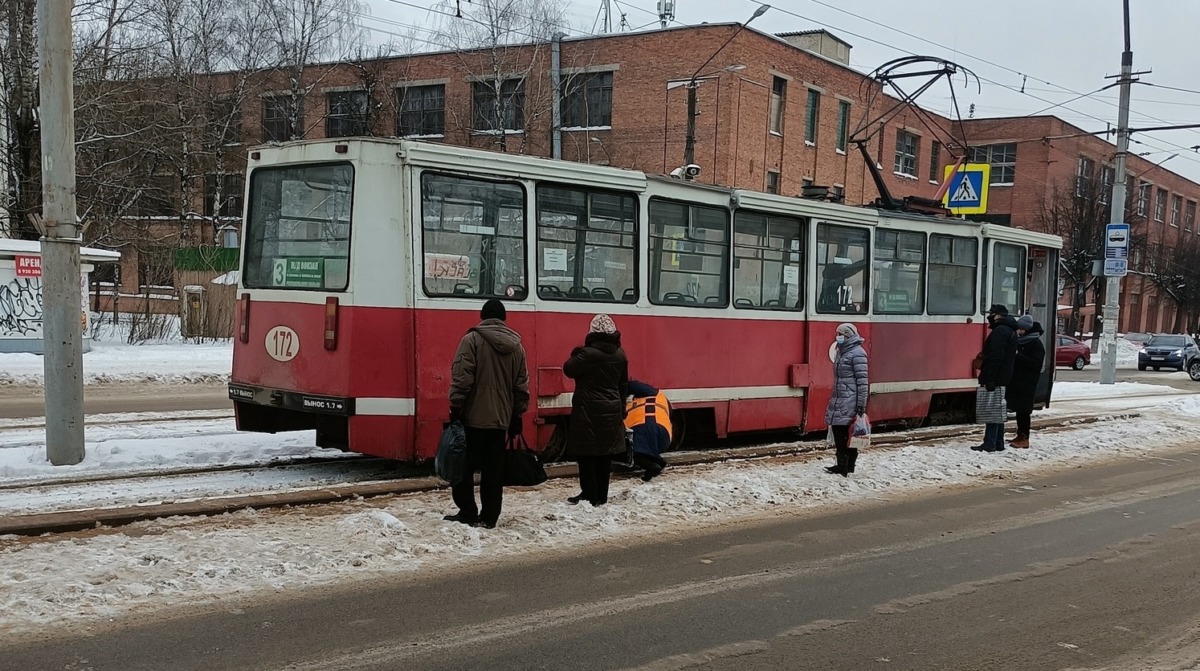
{"x":689,"y":148}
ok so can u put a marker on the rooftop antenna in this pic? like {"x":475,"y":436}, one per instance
{"x":606,"y":11}
{"x":666,"y":12}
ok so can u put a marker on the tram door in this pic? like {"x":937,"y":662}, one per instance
{"x":1025,"y":280}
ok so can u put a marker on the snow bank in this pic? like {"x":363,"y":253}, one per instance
{"x":168,"y":562}
{"x":1127,"y":354}
{"x":113,"y":362}
{"x":1067,"y":391}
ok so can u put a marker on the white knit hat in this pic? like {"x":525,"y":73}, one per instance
{"x":602,"y":324}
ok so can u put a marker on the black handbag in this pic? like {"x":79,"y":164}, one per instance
{"x":522,"y":468}
{"x":451,"y":459}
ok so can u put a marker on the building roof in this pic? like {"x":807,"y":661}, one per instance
{"x":10,"y":246}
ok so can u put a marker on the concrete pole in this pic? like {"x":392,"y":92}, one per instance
{"x":556,"y":84}
{"x":689,"y":145}
{"x":62,"y":332}
{"x":1112,"y":307}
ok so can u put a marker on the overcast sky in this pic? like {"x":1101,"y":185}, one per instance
{"x":1064,"y":47}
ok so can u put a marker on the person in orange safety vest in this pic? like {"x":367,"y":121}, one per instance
{"x":648,"y":417}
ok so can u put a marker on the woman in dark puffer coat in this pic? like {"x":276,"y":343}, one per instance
{"x":597,"y":428}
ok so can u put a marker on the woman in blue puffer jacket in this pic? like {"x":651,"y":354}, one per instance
{"x":849,"y":400}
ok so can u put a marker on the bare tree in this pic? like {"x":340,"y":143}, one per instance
{"x":1174,"y":270}
{"x":1079,"y":213}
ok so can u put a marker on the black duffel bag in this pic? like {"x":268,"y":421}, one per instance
{"x":522,"y":467}
{"x":451,"y":459}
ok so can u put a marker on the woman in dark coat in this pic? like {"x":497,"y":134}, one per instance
{"x":1027,"y":368}
{"x":849,"y":400}
{"x":597,"y":428}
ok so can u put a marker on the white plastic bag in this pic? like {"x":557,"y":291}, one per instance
{"x":860,"y":433}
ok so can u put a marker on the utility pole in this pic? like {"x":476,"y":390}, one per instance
{"x":62,"y":334}
{"x":1112,"y":306}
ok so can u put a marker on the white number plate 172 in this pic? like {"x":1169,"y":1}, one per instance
{"x":282,"y":343}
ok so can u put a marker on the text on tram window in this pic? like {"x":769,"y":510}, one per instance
{"x":473,"y":237}
{"x":768,"y":262}
{"x":587,"y":245}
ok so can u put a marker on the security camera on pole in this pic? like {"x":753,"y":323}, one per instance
{"x":62,"y":333}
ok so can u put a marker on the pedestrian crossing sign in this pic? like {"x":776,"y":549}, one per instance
{"x":967,"y":192}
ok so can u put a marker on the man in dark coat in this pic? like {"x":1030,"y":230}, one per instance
{"x":995,"y":372}
{"x":1027,"y":370}
{"x":596,"y":430}
{"x":489,"y":393}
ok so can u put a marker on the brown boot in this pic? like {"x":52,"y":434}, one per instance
{"x":1021,"y":442}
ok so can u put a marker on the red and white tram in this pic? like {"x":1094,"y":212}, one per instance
{"x":365,"y":260}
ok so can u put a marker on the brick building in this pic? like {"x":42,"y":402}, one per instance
{"x":1033,"y":158}
{"x":775,"y":113}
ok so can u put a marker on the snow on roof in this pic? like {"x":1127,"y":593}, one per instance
{"x":10,"y":246}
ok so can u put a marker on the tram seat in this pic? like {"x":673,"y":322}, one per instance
{"x":629,"y":294}
{"x":461,"y":289}
{"x":515,"y":291}
{"x":603,"y":293}
{"x":743,"y":303}
{"x":673,"y":297}
{"x":578,"y":292}
{"x":773,"y":303}
{"x":713,"y":300}
{"x":550,"y":290}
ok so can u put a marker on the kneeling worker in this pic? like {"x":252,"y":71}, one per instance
{"x":648,"y":416}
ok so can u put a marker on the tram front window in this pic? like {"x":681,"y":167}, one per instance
{"x":473,"y":237}
{"x":298,"y":228}
{"x":843,"y":256}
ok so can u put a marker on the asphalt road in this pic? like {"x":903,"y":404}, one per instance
{"x":28,"y":401}
{"x":1080,"y":569}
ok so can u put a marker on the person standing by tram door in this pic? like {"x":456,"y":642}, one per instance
{"x":849,"y":400}
{"x":1027,"y":369}
{"x":995,"y":373}
{"x":489,"y":393}
{"x":596,"y":431}
{"x":648,"y":416}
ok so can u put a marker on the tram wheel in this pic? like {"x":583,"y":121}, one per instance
{"x":556,"y":447}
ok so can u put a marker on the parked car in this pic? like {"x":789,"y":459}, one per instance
{"x":1139,"y":339}
{"x":1072,"y":352}
{"x":1168,"y":351}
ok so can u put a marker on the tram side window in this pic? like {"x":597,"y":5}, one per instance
{"x":587,"y":245}
{"x":473,"y":237}
{"x":952,"y":262}
{"x":768,"y":262}
{"x":843,"y":254}
{"x":1008,"y":277}
{"x":298,"y":229}
{"x":689,"y":254}
{"x":899,"y":272}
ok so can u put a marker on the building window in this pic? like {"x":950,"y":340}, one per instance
{"x":473,"y":237}
{"x":283,"y":118}
{"x":689,"y":254}
{"x":1176,"y":208}
{"x":952,"y":263}
{"x":223,"y":195}
{"x":843,"y":254}
{"x":157,"y":196}
{"x":1002,"y":158}
{"x":1189,"y":215}
{"x":347,"y":116}
{"x":1160,"y":205}
{"x":812,"y":116}
{"x":499,"y":106}
{"x":587,"y":245}
{"x":1143,"y":202}
{"x":225,"y":122}
{"x":588,"y":102}
{"x":906,"y":154}
{"x":1108,"y":175}
{"x":768,"y":262}
{"x":778,"y":94}
{"x":422,"y":111}
{"x":843,"y":134}
{"x":1083,"y":177}
{"x":772,"y":181}
{"x":899,"y":272}
{"x":935,"y":160}
{"x":839,"y":193}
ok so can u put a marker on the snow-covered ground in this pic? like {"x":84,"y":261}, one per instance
{"x":112,"y":360}
{"x":165,"y":563}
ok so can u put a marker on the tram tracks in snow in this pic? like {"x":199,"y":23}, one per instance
{"x":121,"y":500}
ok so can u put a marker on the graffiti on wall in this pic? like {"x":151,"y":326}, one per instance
{"x":21,"y":307}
